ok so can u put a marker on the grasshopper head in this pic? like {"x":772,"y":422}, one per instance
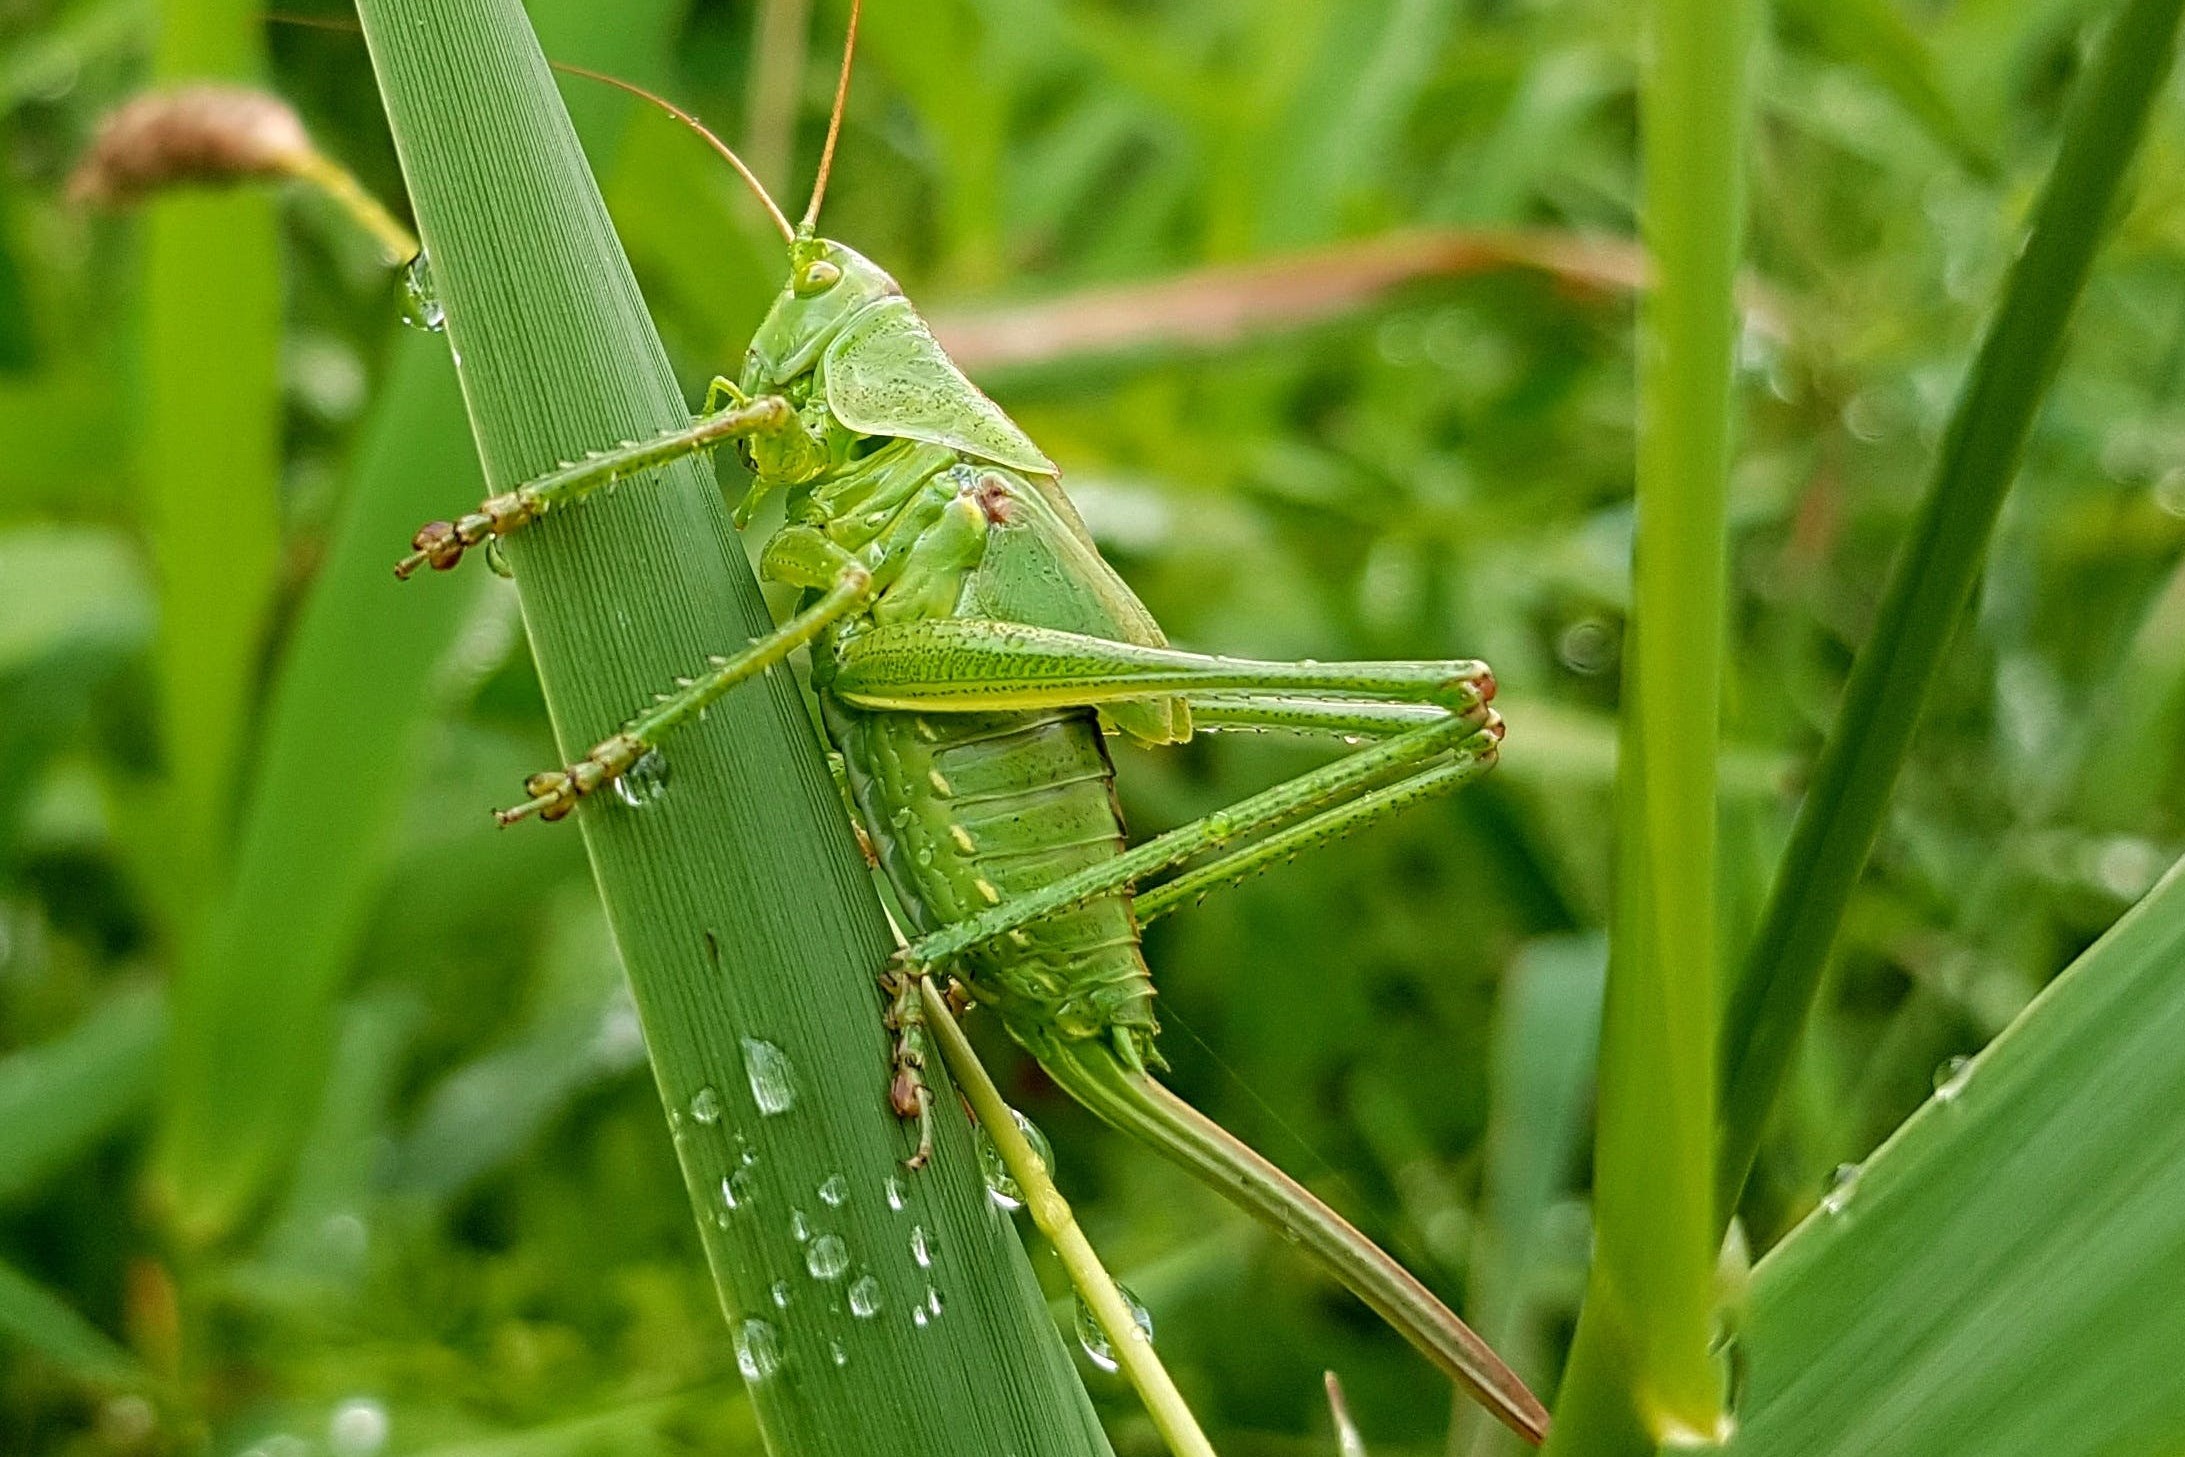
{"x":828,"y":286}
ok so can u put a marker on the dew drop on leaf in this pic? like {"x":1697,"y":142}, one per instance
{"x":644,"y":781}
{"x":421,"y":306}
{"x":758,"y":1351}
{"x":1095,"y":1340}
{"x":773,"y":1078}
{"x":1951,"y":1077}
{"x":827,"y":1257}
{"x":999,"y":1183}
{"x":1843,"y":1182}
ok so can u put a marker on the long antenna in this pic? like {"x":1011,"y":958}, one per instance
{"x":350,"y":27}
{"x":772,"y":211}
{"x":834,"y":120}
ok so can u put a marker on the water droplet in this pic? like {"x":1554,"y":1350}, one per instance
{"x":933,"y":1301}
{"x":834,"y":1191}
{"x":497,"y":558}
{"x":358,"y":1427}
{"x":2170,"y":491}
{"x":842,"y":1357}
{"x":735,"y":1189}
{"x":921,"y":1248}
{"x":1951,"y":1076}
{"x":999,"y":1184}
{"x":799,"y":1229}
{"x":918,"y":1316}
{"x":773,"y":1079}
{"x":780,"y":1292}
{"x":1843,"y":1182}
{"x":827,"y":1257}
{"x":644,"y":781}
{"x":1095,"y":1340}
{"x":758,"y":1352}
{"x":1588,"y":646}
{"x":864,"y":1297}
{"x":705,"y":1106}
{"x":127,"y":1421}
{"x":421,"y":306}
{"x":2125,"y":865}
{"x":894,"y":1187}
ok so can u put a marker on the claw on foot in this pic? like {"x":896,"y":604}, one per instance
{"x":441,"y":544}
{"x":912,"y":1099}
{"x":908,"y":1094}
{"x":551,"y":795}
{"x":959,"y":999}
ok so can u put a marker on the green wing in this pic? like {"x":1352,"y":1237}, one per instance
{"x":1041,"y":568}
{"x":886,"y":374}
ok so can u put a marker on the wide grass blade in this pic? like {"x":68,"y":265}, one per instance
{"x":58,"y":1098}
{"x":209,"y":457}
{"x":1640,"y":1371}
{"x":353,"y":698}
{"x":749,"y":930}
{"x":1546,"y":1043}
{"x":1933,"y":578}
{"x":254,"y":1000}
{"x":2002,"y":1276}
{"x":34,"y":1318}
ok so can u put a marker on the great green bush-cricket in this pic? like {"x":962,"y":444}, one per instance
{"x":970,"y":648}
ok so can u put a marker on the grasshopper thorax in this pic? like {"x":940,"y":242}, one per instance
{"x":828,"y":286}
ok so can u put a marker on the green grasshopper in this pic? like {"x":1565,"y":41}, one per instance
{"x":969,"y":650}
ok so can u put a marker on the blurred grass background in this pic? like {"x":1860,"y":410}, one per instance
{"x":463,"y":1230}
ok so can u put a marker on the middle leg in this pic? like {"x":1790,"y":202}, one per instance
{"x":555,"y":793}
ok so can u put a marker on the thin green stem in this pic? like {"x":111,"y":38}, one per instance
{"x":1050,"y":1212}
{"x":339,"y":186}
{"x":1641,"y":1374}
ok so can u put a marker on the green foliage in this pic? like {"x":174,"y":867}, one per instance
{"x":2016,"y":1227}
{"x":42,"y":1322}
{"x":344,"y":725}
{"x":436,"y":1168}
{"x":1932,"y":579}
{"x":208,"y":461}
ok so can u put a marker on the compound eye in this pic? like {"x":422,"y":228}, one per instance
{"x":816,"y":277}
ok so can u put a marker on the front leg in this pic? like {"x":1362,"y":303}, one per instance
{"x":441,"y":544}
